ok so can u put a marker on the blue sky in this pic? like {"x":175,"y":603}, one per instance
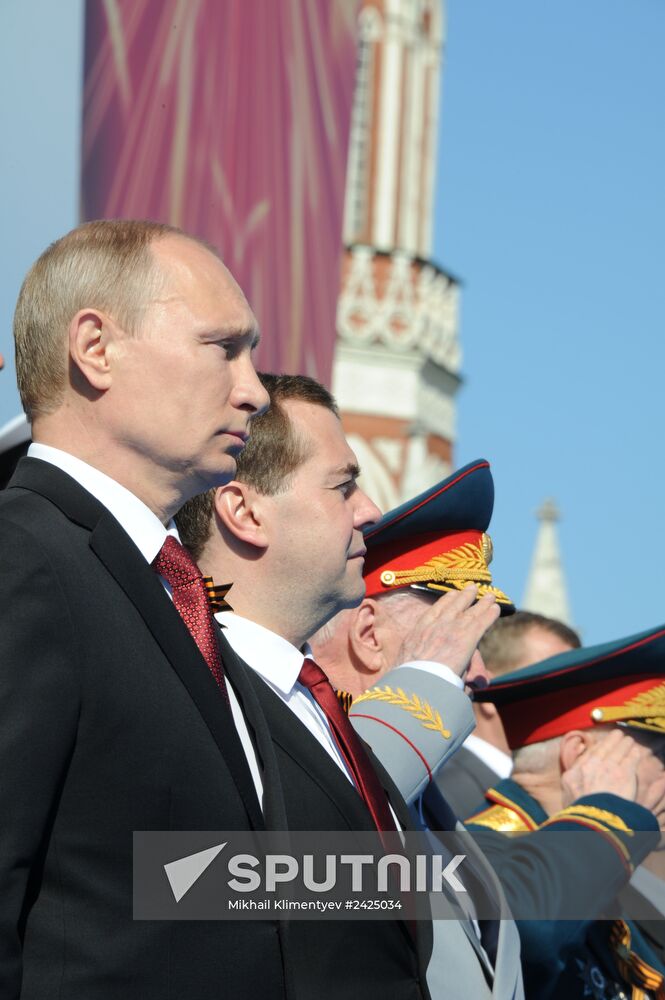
{"x":40,"y":83}
{"x":550,"y":208}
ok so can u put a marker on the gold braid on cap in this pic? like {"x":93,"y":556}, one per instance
{"x":452,"y":570}
{"x":645,"y":711}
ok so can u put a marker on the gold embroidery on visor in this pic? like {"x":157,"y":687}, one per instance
{"x":452,"y":570}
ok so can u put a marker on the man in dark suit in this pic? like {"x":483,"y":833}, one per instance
{"x":134,"y":366}
{"x":288,"y":532}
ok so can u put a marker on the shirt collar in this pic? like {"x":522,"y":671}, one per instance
{"x":141,"y":524}
{"x":270,"y":655}
{"x":496,"y":759}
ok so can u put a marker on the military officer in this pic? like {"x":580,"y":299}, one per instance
{"x":417,"y":715}
{"x":414,"y":721}
{"x":599,"y":710}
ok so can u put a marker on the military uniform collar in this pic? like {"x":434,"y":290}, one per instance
{"x":511,"y":809}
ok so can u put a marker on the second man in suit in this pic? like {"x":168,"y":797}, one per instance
{"x":288,"y":532}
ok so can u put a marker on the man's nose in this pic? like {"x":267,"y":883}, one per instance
{"x":366,"y":510}
{"x":249,"y":392}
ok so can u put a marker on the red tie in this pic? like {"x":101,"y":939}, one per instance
{"x":190,"y":597}
{"x":313,"y":678}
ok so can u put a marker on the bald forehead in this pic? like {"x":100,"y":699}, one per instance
{"x":184,"y":261}
{"x":191,"y":275}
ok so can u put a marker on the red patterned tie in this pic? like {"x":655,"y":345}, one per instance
{"x":313,"y":678}
{"x":190,"y":597}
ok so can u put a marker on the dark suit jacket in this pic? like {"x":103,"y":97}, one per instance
{"x":110,"y":722}
{"x":463,"y":782}
{"x":339,"y":959}
{"x":8,"y":461}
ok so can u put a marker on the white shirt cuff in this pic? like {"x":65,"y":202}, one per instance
{"x":438,"y":669}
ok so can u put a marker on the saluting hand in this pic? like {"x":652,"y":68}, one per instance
{"x":619,"y":764}
{"x":451,"y":629}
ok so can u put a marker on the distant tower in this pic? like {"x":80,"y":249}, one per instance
{"x":546,"y":586}
{"x":397,"y":360}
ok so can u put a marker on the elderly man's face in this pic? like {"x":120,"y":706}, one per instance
{"x":184,"y":388}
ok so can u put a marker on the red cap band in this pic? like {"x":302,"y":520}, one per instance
{"x":405,"y":554}
{"x":557,"y":712}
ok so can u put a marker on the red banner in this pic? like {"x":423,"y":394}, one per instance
{"x":230,"y":118}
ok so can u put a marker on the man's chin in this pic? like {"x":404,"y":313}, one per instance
{"x":354,"y":595}
{"x":220,"y":474}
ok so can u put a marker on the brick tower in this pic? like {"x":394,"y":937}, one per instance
{"x":397,"y":356}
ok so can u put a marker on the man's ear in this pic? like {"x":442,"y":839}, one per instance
{"x":486,"y":710}
{"x":90,"y":334}
{"x":240,"y":511}
{"x":365,"y":644}
{"x":573,"y":745}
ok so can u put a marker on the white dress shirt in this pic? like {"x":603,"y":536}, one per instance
{"x":148,"y":534}
{"x":278,"y":662}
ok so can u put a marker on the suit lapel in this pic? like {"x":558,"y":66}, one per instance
{"x":115,"y":549}
{"x":436,"y":815}
{"x":60,"y":489}
{"x":295,"y":740}
{"x":117,"y":552}
{"x":274,"y":809}
{"x":390,"y":788}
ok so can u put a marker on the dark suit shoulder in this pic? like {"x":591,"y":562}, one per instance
{"x":109,"y":722}
{"x":57,"y":488}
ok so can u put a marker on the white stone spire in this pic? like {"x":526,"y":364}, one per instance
{"x":546,"y":592}
{"x":397,"y":355}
